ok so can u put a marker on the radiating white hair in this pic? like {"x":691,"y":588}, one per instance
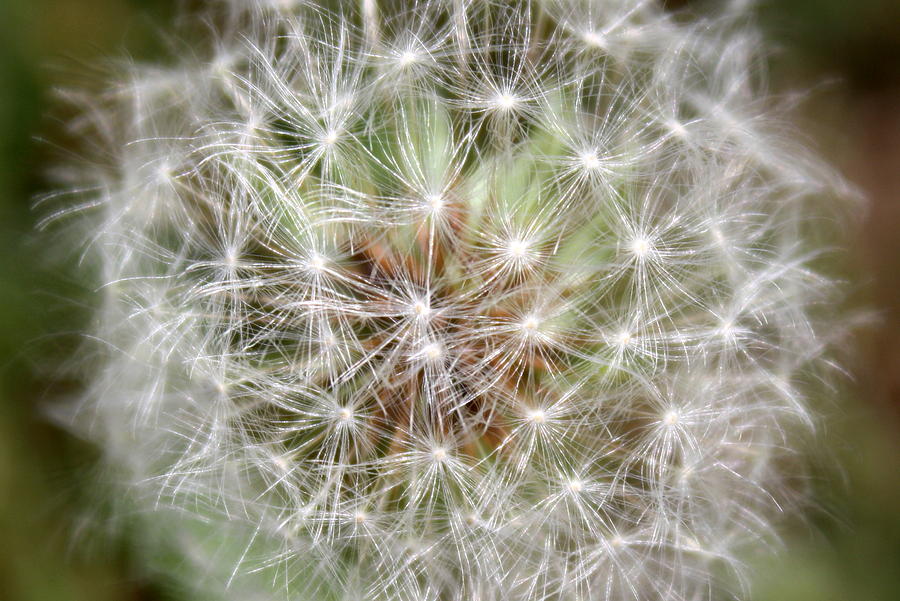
{"x":453,"y":299}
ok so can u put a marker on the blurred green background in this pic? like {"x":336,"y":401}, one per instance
{"x":852,"y":553}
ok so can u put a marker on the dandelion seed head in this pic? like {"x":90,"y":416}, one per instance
{"x":589,"y":160}
{"x":519,"y":254}
{"x":537,"y":416}
{"x":331,"y":137}
{"x":717,"y":234}
{"x":435,"y":203}
{"x":164,"y":172}
{"x":432,"y":351}
{"x":530,"y":324}
{"x":316,"y":263}
{"x":407,"y":58}
{"x":505,"y":101}
{"x":729,"y":332}
{"x":421,"y":309}
{"x":517,"y":248}
{"x":595,"y":39}
{"x":231,"y":258}
{"x":677,"y":129}
{"x":641,"y":247}
{"x":671,"y":418}
{"x":505,"y":327}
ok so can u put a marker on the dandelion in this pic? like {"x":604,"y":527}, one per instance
{"x":433,"y":301}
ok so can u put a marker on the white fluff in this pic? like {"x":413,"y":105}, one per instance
{"x":462,"y":300}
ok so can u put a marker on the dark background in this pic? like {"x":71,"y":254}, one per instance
{"x":852,"y":552}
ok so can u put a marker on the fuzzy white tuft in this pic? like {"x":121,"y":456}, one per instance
{"x":461,"y":300}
